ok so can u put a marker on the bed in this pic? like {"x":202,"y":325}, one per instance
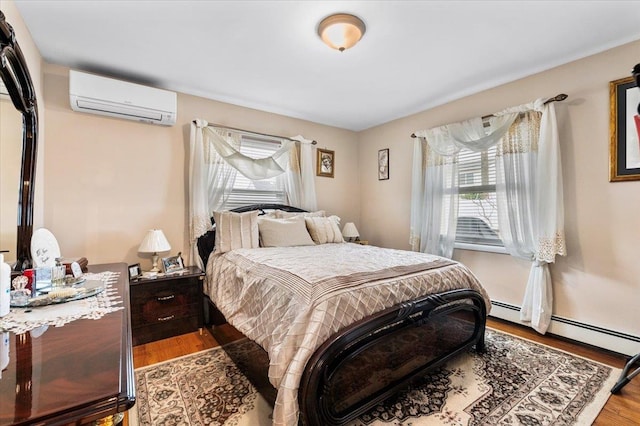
{"x":344,"y":325}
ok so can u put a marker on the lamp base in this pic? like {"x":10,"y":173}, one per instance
{"x":154,"y":263}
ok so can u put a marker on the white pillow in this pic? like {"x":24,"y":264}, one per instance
{"x":283,"y":232}
{"x":324,"y":229}
{"x":281,"y":214}
{"x":236,"y":230}
{"x":270,"y":213}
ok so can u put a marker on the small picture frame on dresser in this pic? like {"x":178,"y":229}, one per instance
{"x":172,"y":264}
{"x":135,"y":272}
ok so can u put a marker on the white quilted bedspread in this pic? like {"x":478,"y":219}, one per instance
{"x":291,"y":299}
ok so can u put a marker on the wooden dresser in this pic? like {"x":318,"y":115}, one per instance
{"x":167,"y":305}
{"x":77,"y":373}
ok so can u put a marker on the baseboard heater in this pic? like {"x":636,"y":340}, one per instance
{"x":611,"y":340}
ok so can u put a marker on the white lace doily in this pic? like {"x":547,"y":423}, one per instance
{"x":21,"y":320}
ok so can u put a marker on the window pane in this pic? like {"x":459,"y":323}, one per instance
{"x":477,"y":209}
{"x":478,"y":219}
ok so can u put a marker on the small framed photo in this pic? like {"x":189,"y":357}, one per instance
{"x":172,"y":264}
{"x":624,"y":130}
{"x":135,"y":272}
{"x":325,"y":163}
{"x":383,"y":164}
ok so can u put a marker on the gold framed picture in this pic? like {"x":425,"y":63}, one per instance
{"x":325,"y":163}
{"x":624,"y":130}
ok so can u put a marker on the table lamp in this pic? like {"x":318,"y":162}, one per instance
{"x":154,"y":242}
{"x":350,"y":232}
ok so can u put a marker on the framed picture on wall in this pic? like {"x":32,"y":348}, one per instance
{"x":383,"y":164}
{"x":325,"y":163}
{"x":624,"y":130}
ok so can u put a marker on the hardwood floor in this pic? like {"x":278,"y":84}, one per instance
{"x":621,"y":410}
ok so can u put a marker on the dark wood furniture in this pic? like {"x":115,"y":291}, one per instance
{"x":77,"y":373}
{"x":406,"y":340}
{"x":17,"y":79}
{"x":167,"y":305}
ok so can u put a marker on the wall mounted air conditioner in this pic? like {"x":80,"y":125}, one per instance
{"x":115,"y":98}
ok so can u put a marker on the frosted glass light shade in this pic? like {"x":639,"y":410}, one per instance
{"x":341,"y":31}
{"x":154,"y":241}
{"x":350,"y":232}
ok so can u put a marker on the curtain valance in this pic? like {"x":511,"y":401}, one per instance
{"x":225,"y":144}
{"x":476,"y":134}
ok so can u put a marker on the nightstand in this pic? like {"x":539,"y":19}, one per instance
{"x":167,"y":305}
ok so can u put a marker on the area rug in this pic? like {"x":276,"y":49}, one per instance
{"x":515,"y":382}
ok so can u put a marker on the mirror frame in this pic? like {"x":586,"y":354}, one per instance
{"x":15,"y":75}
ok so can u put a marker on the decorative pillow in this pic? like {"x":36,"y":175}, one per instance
{"x":270,"y":213}
{"x":281,"y":214}
{"x":283,"y":232}
{"x":236,"y":230}
{"x":324,"y":229}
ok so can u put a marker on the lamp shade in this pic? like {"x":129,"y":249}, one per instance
{"x":350,"y":231}
{"x":154,"y":241}
{"x":341,"y":31}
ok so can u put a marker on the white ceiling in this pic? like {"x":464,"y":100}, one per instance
{"x":266,"y":54}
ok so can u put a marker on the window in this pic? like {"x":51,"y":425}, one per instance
{"x":477,"y":208}
{"x":247,"y":191}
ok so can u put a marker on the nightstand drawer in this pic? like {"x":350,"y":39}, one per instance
{"x":153,"y":312}
{"x":165,"y":293}
{"x":149,"y":333}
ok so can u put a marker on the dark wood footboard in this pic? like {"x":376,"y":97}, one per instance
{"x":212,"y":315}
{"x":374,"y":358}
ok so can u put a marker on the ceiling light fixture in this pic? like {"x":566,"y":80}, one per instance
{"x":341,"y":31}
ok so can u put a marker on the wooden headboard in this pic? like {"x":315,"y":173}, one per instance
{"x":207,"y":242}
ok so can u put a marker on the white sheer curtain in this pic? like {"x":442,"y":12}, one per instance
{"x":308,"y":200}
{"x":434,"y":201}
{"x":215,"y":159}
{"x":528,"y":188}
{"x":530,"y":205}
{"x":222,"y":141}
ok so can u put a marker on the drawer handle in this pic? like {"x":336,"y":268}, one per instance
{"x":170,"y":317}
{"x":163,"y":298}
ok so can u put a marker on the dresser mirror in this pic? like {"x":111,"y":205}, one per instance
{"x":18,"y":148}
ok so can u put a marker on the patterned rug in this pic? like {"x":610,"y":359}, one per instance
{"x":515,"y":382}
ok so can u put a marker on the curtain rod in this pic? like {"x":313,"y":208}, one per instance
{"x":255,"y":133}
{"x":557,"y":98}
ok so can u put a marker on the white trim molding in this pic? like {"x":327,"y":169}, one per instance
{"x":611,"y":340}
